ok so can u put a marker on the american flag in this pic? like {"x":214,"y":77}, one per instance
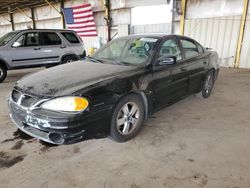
{"x":80,"y":19}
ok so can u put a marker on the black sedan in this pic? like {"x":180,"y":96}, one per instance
{"x":114,"y":91}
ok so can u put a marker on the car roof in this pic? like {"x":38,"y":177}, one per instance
{"x":154,"y":35}
{"x":67,"y":30}
{"x":158,"y":36}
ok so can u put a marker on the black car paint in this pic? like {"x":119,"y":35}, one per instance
{"x":105,"y":84}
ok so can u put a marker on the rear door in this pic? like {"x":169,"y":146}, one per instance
{"x":29,"y":53}
{"x":75,"y":43}
{"x":170,"y":81}
{"x":52,"y":48}
{"x":196,"y":62}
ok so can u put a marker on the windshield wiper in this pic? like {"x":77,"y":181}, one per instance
{"x":115,"y":61}
{"x":94,"y":59}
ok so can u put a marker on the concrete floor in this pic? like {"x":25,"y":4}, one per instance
{"x":194,"y":143}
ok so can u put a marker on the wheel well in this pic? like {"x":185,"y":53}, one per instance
{"x":213,"y":69}
{"x":145,"y":103}
{"x":67,"y":55}
{"x":144,"y":99}
{"x":3,"y":63}
{"x":210,"y":69}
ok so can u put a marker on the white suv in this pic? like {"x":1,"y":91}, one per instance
{"x":39,"y":47}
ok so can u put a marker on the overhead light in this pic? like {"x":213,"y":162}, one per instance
{"x":9,"y":10}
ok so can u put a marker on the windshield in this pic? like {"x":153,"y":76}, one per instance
{"x":130,"y":51}
{"x":7,"y":37}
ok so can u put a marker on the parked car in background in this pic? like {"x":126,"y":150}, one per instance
{"x":35,"y":48}
{"x":113,"y":91}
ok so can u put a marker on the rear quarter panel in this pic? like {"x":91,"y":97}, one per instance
{"x":213,"y":60}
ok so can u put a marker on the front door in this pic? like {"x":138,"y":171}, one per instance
{"x":170,"y":81}
{"x":29,"y":52}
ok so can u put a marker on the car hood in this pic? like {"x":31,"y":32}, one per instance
{"x":69,"y":78}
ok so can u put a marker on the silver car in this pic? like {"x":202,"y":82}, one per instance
{"x":36,"y":48}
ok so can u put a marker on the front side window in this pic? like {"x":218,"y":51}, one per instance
{"x":50,"y":39}
{"x":190,"y":48}
{"x":31,"y":39}
{"x":20,"y":40}
{"x":170,"y":48}
{"x":132,"y":51}
{"x":28,"y":39}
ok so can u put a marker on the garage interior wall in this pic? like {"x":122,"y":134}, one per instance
{"x":216,"y":25}
{"x":245,"y":51}
{"x":47,"y":17}
{"x":5,"y":24}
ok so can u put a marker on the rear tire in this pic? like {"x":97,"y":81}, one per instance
{"x":3,"y":73}
{"x":207,"y":85}
{"x":127,"y":118}
{"x":69,"y":59}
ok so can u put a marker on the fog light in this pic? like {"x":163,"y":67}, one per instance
{"x":56,"y":138}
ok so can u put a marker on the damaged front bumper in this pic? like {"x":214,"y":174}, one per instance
{"x":58,"y":128}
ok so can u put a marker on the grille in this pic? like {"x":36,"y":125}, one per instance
{"x":23,"y":99}
{"x":15,"y":95}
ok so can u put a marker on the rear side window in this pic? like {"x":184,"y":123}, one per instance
{"x":190,"y":48}
{"x":71,"y":37}
{"x":50,"y":38}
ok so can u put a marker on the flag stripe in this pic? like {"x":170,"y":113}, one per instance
{"x":83,"y":16}
{"x":81,"y":19}
{"x":81,"y":12}
{"x":79,"y":27}
{"x":81,"y":6}
{"x":90,"y":35}
{"x":85,"y":29}
{"x":83,"y":9}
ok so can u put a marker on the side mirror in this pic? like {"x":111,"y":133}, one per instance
{"x":166,"y":60}
{"x":16,"y":44}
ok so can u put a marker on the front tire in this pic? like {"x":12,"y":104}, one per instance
{"x":3,"y":73}
{"x":127,"y":118}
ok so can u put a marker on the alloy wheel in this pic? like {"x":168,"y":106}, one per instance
{"x":128,"y":118}
{"x":208,"y":84}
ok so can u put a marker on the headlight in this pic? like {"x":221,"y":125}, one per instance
{"x":66,"y":104}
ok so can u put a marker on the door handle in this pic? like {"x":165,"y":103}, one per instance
{"x":37,"y":48}
{"x":204,"y":62}
{"x":63,"y":47}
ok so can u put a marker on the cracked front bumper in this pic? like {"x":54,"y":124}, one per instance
{"x":63,"y":129}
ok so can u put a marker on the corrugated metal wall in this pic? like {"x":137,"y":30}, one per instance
{"x":48,"y":17}
{"x":151,"y":28}
{"x":135,"y":3}
{"x":245,"y":51}
{"x":219,"y":33}
{"x":217,"y":25}
{"x":5,"y":25}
